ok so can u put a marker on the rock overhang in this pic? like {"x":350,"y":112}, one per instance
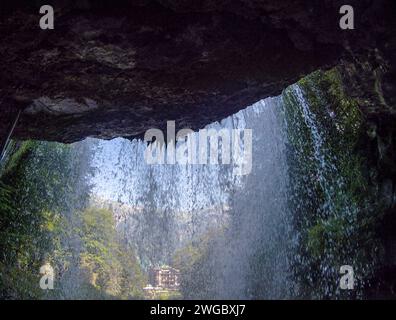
{"x":117,"y":69}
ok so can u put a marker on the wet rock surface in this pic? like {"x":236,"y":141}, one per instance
{"x":110,"y":70}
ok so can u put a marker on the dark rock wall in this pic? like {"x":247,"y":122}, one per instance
{"x":370,"y":79}
{"x":118,"y":68}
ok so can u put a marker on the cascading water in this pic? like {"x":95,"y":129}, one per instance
{"x":276,"y":225}
{"x":171,"y":205}
{"x":328,"y":207}
{"x":252,"y":260}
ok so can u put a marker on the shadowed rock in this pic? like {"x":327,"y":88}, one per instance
{"x":110,"y":70}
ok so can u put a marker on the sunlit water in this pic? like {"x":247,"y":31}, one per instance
{"x":246,"y":223}
{"x":166,"y":206}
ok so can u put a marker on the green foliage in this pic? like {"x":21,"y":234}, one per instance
{"x":42,"y":199}
{"x":35,"y":185}
{"x":110,"y":265}
{"x":169,"y":295}
{"x":16,"y":283}
{"x":16,"y":159}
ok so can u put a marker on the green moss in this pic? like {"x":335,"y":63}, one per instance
{"x":18,"y":157}
{"x":334,"y":206}
{"x":322,"y":233}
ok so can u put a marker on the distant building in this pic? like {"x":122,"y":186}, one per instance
{"x":165,"y":277}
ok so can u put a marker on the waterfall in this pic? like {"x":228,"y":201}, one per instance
{"x":168,"y":206}
{"x":253,"y":258}
{"x":329,"y":213}
{"x":272,"y":210}
{"x":326,"y":171}
{"x":281,"y":231}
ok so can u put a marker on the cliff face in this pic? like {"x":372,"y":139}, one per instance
{"x":110,"y":70}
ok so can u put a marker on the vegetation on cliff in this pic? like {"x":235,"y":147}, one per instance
{"x":44,"y":193}
{"x":336,"y":211}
